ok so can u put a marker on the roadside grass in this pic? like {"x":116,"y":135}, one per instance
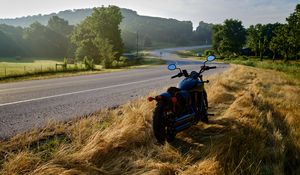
{"x":191,"y":53}
{"x":18,"y":69}
{"x":149,"y":60}
{"x":158,"y":45}
{"x":256,"y":130}
{"x":292,"y":68}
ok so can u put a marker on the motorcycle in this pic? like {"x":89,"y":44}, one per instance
{"x":183,"y":106}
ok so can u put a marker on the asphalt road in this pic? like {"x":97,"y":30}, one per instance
{"x":29,"y":104}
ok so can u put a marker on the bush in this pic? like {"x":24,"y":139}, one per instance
{"x":65,"y":63}
{"x":89,"y":63}
{"x":118,"y":64}
{"x":249,"y":63}
{"x":208,"y":52}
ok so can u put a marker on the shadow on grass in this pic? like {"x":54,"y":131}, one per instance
{"x":241,"y":148}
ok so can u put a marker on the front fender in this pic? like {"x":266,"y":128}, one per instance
{"x":166,"y":100}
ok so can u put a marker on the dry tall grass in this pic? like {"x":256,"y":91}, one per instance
{"x":256,"y":130}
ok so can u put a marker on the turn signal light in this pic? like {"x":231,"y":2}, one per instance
{"x":150,"y":99}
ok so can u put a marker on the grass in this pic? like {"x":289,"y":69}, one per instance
{"x":151,"y":61}
{"x":191,"y":53}
{"x":18,"y":69}
{"x":291,"y":68}
{"x":17,"y":66}
{"x":256,"y":130}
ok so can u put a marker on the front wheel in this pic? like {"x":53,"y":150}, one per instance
{"x":159,"y":127}
{"x":204,"y":107}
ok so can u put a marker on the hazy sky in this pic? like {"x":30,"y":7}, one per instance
{"x":213,"y":11}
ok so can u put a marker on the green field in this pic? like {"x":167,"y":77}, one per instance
{"x":291,"y":68}
{"x":20,"y":66}
{"x":15,"y":69}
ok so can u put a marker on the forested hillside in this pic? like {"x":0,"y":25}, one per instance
{"x":152,"y":31}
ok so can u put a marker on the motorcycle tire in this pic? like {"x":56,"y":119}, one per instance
{"x":159,"y":127}
{"x":204,"y":106}
{"x":170,"y":135}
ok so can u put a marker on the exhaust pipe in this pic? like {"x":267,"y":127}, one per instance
{"x":183,"y":127}
{"x":184,"y":119}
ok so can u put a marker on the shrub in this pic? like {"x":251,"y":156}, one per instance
{"x":208,"y":52}
{"x":89,"y":63}
{"x":65,"y":63}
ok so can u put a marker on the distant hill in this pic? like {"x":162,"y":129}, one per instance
{"x":73,"y":16}
{"x":152,"y":31}
{"x":159,"y":30}
{"x":132,"y":22}
{"x":76,"y":16}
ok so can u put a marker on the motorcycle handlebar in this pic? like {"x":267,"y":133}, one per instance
{"x":207,"y":67}
{"x":178,"y":75}
{"x":174,"y":76}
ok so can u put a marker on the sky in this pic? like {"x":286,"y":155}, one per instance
{"x":212,"y":11}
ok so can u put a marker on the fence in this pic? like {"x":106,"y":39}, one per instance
{"x":16,"y":70}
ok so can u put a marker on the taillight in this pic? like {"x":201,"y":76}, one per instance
{"x":174,"y":100}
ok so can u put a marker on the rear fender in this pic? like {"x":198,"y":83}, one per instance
{"x":166,"y":99}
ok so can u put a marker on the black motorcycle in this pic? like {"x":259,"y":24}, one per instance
{"x":183,"y":106}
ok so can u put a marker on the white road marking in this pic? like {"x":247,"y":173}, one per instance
{"x":59,"y":83}
{"x":64,"y":83}
{"x":79,"y":92}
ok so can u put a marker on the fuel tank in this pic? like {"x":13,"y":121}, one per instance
{"x":189,"y":84}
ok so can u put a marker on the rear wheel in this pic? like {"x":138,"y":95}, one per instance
{"x":171,"y":134}
{"x":159,"y":127}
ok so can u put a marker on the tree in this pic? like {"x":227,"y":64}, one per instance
{"x":147,"y":42}
{"x":217,"y":37}
{"x":204,"y":32}
{"x":287,"y":37}
{"x":252,"y":39}
{"x":42,"y":41}
{"x":98,"y":31}
{"x":60,"y":25}
{"x":11,"y":42}
{"x":107,"y":53}
{"x":279,"y":42}
{"x":293,"y":29}
{"x":262,"y":40}
{"x":7,"y":46}
{"x":230,"y":37}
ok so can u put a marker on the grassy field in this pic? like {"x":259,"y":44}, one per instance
{"x":14,"y":66}
{"x":16,"y":69}
{"x":291,"y":68}
{"x":256,"y":130}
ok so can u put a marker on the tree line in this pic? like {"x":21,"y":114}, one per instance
{"x":36,"y":40}
{"x":271,"y":40}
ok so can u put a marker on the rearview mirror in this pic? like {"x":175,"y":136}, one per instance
{"x":172,"y":67}
{"x":211,"y":58}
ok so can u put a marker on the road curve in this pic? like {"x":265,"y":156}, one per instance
{"x":29,"y":104}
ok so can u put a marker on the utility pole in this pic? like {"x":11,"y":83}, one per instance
{"x":137,"y":44}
